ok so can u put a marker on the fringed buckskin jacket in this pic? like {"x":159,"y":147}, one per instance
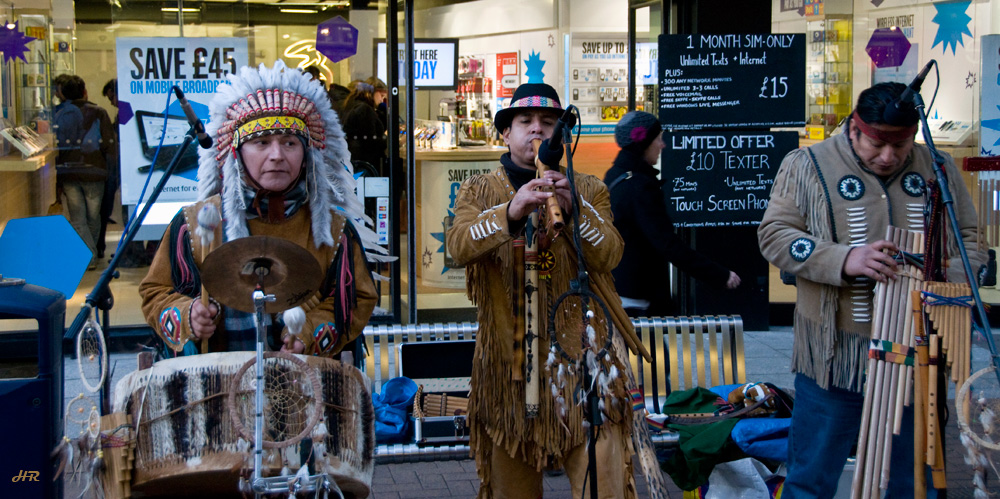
{"x":481,"y":240}
{"x":174,"y":280}
{"x":823,"y":203}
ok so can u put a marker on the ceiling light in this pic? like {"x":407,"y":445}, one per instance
{"x":174,"y":9}
{"x":298,"y":11}
{"x":286,"y":36}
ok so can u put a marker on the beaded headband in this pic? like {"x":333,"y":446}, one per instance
{"x":268,"y":126}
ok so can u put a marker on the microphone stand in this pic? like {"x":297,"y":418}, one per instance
{"x":949,"y":204}
{"x":101,"y":291}
{"x":581,"y":287}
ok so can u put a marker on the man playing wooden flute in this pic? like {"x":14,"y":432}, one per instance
{"x":511,"y":446}
{"x":826,"y":222}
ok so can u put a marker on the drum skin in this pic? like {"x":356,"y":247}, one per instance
{"x":186,"y":443}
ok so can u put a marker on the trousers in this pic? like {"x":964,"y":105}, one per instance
{"x":824,"y":431}
{"x":83,"y":208}
{"x":513,"y":479}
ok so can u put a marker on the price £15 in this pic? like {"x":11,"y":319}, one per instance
{"x":774,"y":87}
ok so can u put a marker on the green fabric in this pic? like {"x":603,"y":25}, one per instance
{"x":701,"y":446}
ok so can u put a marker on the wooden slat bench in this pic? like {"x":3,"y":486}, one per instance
{"x":700,"y":351}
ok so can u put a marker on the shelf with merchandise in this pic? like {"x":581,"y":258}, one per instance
{"x":32,"y":78}
{"x":829,"y":70}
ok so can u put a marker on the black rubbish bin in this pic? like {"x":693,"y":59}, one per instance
{"x":32,"y":405}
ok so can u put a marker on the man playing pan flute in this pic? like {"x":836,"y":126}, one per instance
{"x":510,"y":446}
{"x":830,"y":206}
{"x":280,"y":168}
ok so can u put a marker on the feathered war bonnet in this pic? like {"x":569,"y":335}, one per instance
{"x":286,"y":99}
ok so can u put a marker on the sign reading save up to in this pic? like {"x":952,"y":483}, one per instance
{"x":435,"y":63}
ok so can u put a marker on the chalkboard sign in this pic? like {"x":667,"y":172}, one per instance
{"x":732,"y":81}
{"x":721,"y":179}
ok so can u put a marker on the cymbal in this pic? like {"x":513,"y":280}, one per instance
{"x":284,"y":269}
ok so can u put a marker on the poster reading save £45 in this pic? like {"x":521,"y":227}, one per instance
{"x":151,"y":130}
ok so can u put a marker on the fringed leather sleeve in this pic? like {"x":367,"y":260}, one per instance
{"x":347,"y":298}
{"x":602,"y":245}
{"x":480,"y":223}
{"x":796,"y":233}
{"x":170,"y":285}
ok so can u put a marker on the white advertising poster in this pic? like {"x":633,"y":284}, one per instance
{"x":148,"y":69}
{"x":439,"y":184}
{"x":435,"y":63}
{"x":989,"y":133}
{"x":598,"y":80}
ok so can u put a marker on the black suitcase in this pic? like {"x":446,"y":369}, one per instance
{"x":442,"y":367}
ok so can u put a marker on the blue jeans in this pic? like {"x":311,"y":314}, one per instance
{"x":83,"y":208}
{"x":825,"y":425}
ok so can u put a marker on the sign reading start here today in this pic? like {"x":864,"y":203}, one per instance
{"x":435,"y":63}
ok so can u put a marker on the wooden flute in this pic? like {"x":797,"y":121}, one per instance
{"x":555,"y":216}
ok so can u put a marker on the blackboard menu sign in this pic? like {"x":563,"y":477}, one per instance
{"x":721,"y":179}
{"x":732,"y":81}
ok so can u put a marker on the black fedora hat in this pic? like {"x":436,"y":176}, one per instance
{"x":527,"y":96}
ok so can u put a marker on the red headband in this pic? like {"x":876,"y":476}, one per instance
{"x":889,"y":137}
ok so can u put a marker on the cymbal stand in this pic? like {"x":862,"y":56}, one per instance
{"x":320,"y":483}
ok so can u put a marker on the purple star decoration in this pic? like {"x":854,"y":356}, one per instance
{"x":888,"y":47}
{"x":13,"y":43}
{"x":336,"y":39}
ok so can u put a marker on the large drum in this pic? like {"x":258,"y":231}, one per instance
{"x":194,"y":419}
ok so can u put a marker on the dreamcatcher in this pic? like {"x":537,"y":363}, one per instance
{"x":292,"y":400}
{"x":82,"y":455}
{"x":92,"y":355}
{"x":977,"y":405}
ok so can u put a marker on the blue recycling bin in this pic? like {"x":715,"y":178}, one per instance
{"x":32,"y":407}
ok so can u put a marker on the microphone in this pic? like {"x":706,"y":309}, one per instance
{"x":551,"y":151}
{"x":203,"y":139}
{"x":900,"y":112}
{"x":916,"y":83}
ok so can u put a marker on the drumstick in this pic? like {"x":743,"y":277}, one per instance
{"x":208,"y":220}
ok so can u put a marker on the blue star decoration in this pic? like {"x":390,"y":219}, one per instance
{"x":440,"y":237}
{"x":993,"y":124}
{"x":952,"y":23}
{"x":534,"y":65}
{"x":13,"y":43}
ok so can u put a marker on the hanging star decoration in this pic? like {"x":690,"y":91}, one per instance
{"x":534,"y":65}
{"x":427,"y":258}
{"x":970,"y":80}
{"x":14,"y":43}
{"x":952,"y":23}
{"x":552,"y":41}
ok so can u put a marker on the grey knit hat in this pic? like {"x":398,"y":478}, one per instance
{"x":637,"y":130}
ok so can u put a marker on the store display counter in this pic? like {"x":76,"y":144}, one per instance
{"x":439,"y":175}
{"x":27,"y":185}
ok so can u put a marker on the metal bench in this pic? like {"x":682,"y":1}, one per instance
{"x":700,"y":351}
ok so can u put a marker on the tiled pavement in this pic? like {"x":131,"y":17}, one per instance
{"x":768,"y":356}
